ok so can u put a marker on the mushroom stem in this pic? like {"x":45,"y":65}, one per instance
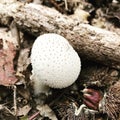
{"x":39,"y":87}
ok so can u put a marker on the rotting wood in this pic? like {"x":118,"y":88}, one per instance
{"x":90,"y":42}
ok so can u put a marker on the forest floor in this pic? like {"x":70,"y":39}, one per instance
{"x":17,"y":99}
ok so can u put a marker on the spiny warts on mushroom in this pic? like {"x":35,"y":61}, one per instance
{"x":55,"y":63}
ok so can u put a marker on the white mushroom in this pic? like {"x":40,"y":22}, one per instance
{"x":55,"y":63}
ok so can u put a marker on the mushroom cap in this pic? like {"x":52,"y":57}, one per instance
{"x":54,"y":61}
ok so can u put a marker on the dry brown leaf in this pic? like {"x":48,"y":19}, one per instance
{"x":23,"y":60}
{"x":24,"y":110}
{"x":7,"y":54}
{"x":46,"y":111}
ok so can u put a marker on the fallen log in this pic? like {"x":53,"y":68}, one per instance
{"x":90,"y":42}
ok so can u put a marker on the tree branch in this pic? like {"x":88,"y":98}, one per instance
{"x":90,"y":42}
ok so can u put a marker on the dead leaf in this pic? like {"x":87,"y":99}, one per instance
{"x":7,"y":54}
{"x":23,"y":60}
{"x":46,"y":111}
{"x":24,"y":110}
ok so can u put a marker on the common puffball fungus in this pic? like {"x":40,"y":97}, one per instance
{"x":55,"y":63}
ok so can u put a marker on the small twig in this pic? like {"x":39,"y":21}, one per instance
{"x":15,"y":33}
{"x":57,"y":6}
{"x":3,"y":107}
{"x":14,"y":100}
{"x":79,"y":110}
{"x":34,"y":115}
{"x":66,"y":5}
